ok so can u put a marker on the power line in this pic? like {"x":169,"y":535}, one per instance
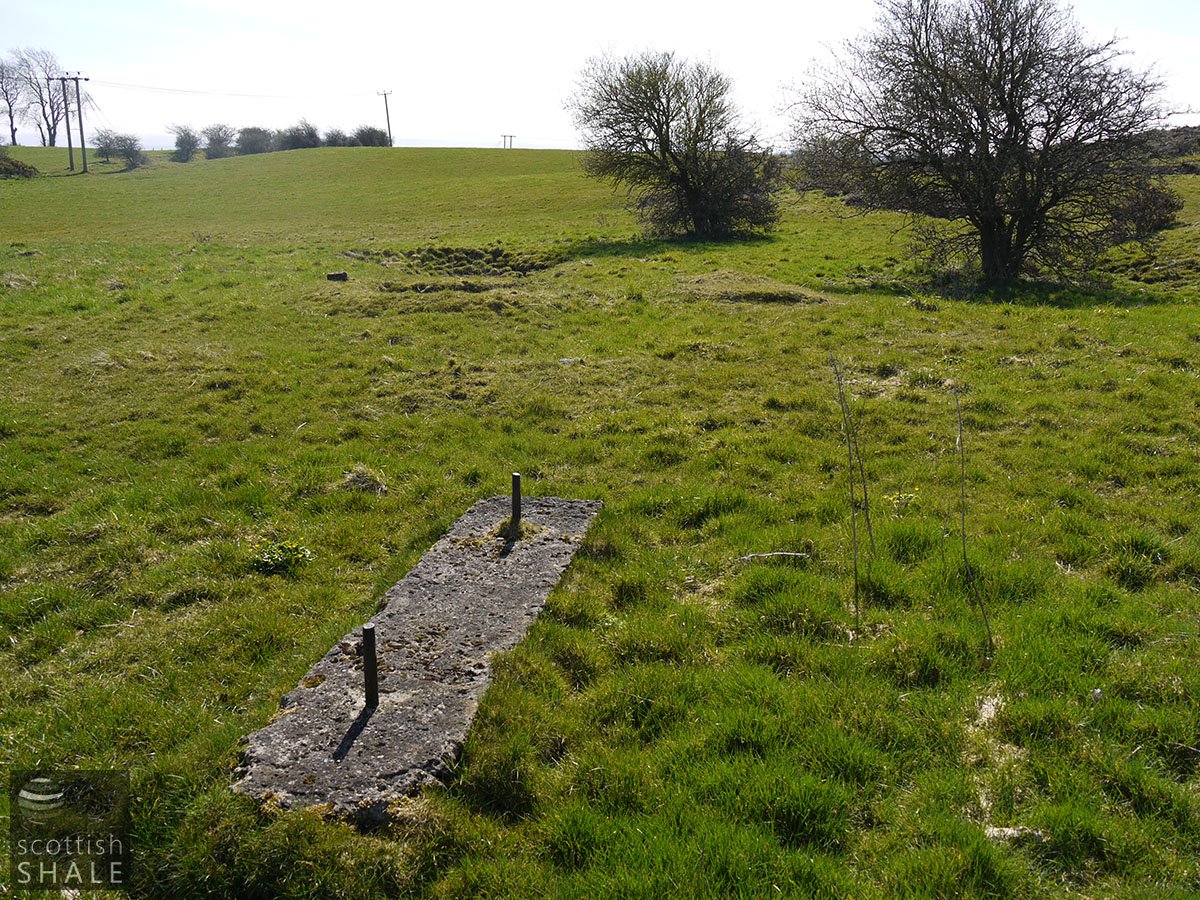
{"x":167,"y":90}
{"x":170,"y":90}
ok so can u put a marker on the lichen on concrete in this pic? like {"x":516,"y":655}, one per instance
{"x":473,"y":594}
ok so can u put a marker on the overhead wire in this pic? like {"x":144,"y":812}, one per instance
{"x":173,"y":90}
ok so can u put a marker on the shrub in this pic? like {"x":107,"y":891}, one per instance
{"x":14,"y":168}
{"x":129,"y":148}
{"x":255,"y":140}
{"x":106,"y":142}
{"x":667,"y":131}
{"x":301,"y":136}
{"x":187,"y":142}
{"x":369,"y":136}
{"x":218,"y":139}
{"x":335,"y":137}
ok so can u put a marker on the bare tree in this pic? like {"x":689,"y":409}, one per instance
{"x":667,"y":131}
{"x":12,"y":95}
{"x":997,"y":117}
{"x":45,"y":108}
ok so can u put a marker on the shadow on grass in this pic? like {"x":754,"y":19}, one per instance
{"x":1013,"y":293}
{"x":1052,"y":294}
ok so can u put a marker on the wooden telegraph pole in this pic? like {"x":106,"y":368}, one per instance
{"x":79,"y":107}
{"x":386,"y":112}
{"x":66,"y":115}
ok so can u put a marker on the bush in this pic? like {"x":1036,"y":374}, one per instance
{"x":667,"y":131}
{"x":14,"y":168}
{"x":187,"y":142}
{"x":335,"y":137}
{"x":106,"y":143}
{"x":129,"y":148}
{"x":1011,"y":137}
{"x":218,"y":139}
{"x":369,"y":136}
{"x":255,"y":140}
{"x":301,"y":136}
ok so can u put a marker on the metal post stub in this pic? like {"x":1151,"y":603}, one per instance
{"x":515,"y":518}
{"x":370,"y":667}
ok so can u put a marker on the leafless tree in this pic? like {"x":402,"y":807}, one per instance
{"x":12,"y":95}
{"x":666,"y":130}
{"x":1016,"y":138}
{"x":45,"y":108}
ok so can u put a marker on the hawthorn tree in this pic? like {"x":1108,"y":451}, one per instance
{"x":187,"y":142}
{"x":370,"y":136}
{"x":129,"y":148}
{"x":255,"y":140}
{"x":106,"y":142}
{"x":301,"y":136}
{"x":666,"y":130}
{"x":217,"y":140}
{"x":998,"y":122}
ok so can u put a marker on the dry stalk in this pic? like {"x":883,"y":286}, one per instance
{"x":846,"y":428}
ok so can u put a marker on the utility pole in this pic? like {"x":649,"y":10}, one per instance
{"x":67,"y":118}
{"x":508,"y":140}
{"x":79,"y":105}
{"x":384,"y":95}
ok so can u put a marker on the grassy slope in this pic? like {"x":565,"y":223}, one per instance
{"x":179,"y":381}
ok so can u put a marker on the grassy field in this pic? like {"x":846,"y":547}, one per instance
{"x":180,"y":386}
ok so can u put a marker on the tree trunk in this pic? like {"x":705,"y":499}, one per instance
{"x":996,"y":253}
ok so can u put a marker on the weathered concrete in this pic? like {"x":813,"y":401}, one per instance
{"x":473,"y":594}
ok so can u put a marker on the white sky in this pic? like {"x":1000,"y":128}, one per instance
{"x":462,"y":73}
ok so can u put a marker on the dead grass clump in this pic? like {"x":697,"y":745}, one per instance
{"x":363,"y":479}
{"x":16,"y":282}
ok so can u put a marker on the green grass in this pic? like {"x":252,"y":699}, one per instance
{"x":182,"y":388}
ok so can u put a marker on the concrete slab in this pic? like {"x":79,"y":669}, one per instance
{"x":473,"y":594}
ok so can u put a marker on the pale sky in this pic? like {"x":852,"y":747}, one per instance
{"x":463,"y":73}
